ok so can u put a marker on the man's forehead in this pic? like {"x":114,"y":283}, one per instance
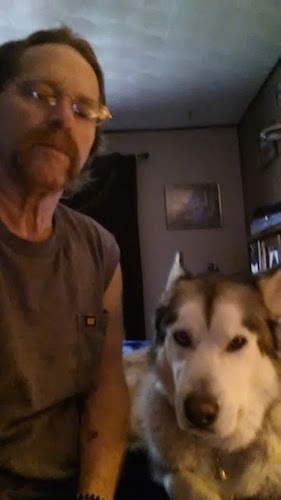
{"x":61,"y":63}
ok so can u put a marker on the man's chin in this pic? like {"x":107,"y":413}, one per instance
{"x":51,"y":176}
{"x":43,"y":181}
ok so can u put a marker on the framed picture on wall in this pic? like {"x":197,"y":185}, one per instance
{"x":193,"y":206}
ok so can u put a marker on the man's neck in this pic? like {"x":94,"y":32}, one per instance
{"x":29,"y":217}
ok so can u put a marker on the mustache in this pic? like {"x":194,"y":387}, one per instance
{"x":59,"y":139}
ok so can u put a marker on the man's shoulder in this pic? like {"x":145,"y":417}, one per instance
{"x":80,"y":227}
{"x":84,"y":234}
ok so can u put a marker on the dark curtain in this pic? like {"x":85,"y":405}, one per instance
{"x":111,"y":198}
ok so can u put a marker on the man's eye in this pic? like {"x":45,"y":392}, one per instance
{"x":85,"y":111}
{"x":37,"y":93}
{"x":42,"y":95}
{"x":81,"y":111}
{"x":183,"y":338}
{"x":237,"y":343}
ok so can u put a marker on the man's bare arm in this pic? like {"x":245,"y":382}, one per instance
{"x":105,"y":420}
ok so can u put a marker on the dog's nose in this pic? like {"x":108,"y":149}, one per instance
{"x":201,"y":410}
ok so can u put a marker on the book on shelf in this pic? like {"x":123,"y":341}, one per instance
{"x":265,"y":253}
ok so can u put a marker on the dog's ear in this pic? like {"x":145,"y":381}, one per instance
{"x":177,"y":271}
{"x":270,"y":287}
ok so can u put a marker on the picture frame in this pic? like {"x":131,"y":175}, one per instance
{"x":193,"y":206}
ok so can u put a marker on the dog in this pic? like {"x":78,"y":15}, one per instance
{"x":206,"y":394}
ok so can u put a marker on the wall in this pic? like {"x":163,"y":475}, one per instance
{"x":190,"y":156}
{"x":262,"y":186}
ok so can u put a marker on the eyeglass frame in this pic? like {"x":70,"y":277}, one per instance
{"x":27,"y":89}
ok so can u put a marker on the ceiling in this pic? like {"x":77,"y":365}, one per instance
{"x":167,"y":63}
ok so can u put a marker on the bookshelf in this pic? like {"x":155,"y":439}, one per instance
{"x":265,"y":252}
{"x":265,"y":240}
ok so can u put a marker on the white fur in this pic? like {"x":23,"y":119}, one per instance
{"x":246,"y":436}
{"x":244,"y":382}
{"x":176,"y":271}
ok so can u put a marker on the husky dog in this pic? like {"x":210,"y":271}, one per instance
{"x":206,"y":398}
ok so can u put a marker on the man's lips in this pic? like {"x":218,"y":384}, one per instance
{"x":52,"y":147}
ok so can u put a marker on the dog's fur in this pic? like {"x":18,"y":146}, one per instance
{"x":206,"y":398}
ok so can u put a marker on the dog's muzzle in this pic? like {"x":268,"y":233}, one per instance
{"x":201,"y":410}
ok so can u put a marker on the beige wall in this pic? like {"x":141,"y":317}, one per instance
{"x":262,"y":186}
{"x":190,"y":156}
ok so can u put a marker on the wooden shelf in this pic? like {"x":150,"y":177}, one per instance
{"x":273,"y":231}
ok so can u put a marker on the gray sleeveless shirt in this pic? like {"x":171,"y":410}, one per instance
{"x":51,"y":329}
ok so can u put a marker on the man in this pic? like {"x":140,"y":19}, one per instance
{"x":64,"y":403}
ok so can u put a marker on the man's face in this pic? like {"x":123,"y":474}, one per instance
{"x":44,"y":147}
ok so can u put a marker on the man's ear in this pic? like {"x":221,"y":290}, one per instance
{"x":270,"y":287}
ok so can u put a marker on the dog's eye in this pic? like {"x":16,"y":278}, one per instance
{"x":236,"y":343}
{"x":183,"y":338}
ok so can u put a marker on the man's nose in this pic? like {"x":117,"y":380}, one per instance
{"x":61,"y":114}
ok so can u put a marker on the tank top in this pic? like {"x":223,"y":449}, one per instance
{"x":52,"y":326}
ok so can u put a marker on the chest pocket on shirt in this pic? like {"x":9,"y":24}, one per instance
{"x":91,"y":332}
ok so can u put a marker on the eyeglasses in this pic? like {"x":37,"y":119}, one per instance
{"x":48,"y":94}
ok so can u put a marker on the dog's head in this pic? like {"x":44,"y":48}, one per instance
{"x":215,"y":353}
